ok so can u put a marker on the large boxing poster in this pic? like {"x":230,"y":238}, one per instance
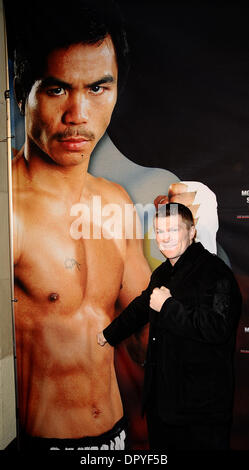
{"x":182,"y":117}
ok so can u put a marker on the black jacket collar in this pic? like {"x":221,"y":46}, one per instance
{"x":188,"y":260}
{"x":190,"y":255}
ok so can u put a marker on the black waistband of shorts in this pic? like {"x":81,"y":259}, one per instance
{"x":28,"y":441}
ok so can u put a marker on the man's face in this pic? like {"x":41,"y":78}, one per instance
{"x":173,"y":236}
{"x":69,"y":109}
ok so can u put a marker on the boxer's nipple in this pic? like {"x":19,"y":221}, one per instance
{"x":53,"y":297}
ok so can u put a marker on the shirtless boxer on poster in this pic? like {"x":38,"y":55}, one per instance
{"x":68,"y":289}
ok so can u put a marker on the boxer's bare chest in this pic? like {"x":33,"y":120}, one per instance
{"x":56,"y":269}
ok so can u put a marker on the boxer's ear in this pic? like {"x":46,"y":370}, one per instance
{"x":19,"y":95}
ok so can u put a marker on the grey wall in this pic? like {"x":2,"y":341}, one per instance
{"x":7,"y":376}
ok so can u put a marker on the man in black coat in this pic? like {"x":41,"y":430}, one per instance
{"x":192,"y":304}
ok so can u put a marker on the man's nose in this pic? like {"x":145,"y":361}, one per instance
{"x":164,"y":236}
{"x":77,"y":110}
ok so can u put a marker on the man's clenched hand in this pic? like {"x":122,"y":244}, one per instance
{"x":158,"y":297}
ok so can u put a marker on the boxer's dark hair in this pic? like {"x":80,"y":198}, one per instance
{"x":42,"y":27}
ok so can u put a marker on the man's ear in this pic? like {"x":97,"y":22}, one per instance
{"x":192,"y":232}
{"x":19,"y":95}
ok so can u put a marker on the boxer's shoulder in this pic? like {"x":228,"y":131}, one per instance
{"x":110,"y":191}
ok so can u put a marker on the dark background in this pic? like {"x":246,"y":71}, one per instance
{"x":185,"y":107}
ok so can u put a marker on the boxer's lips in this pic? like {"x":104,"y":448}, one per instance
{"x":74,"y":143}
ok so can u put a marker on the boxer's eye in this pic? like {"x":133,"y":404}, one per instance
{"x":96,"y":90}
{"x":58,"y":91}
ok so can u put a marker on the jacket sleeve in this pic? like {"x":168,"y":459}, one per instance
{"x":212,"y":317}
{"x":132,"y":319}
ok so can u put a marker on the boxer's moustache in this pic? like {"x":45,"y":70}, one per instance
{"x":71,"y":132}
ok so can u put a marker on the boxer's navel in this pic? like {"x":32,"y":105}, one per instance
{"x":96,"y":412}
{"x":53,"y":297}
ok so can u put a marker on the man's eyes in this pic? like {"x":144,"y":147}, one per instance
{"x":160,"y":232}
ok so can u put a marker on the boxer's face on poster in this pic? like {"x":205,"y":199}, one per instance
{"x":69,"y":109}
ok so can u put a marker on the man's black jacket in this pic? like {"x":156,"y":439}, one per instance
{"x":189,"y":364}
